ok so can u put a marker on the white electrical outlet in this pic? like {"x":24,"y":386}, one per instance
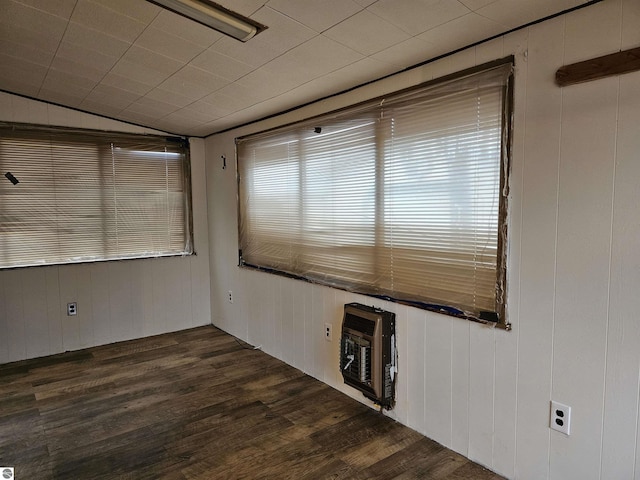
{"x":560,"y":417}
{"x":72,"y":309}
{"x":327,"y":332}
{"x":230,"y":297}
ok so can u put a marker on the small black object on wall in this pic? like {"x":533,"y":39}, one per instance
{"x":11,"y":178}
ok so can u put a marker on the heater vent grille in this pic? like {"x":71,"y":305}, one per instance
{"x":367,"y":352}
{"x":359,"y":324}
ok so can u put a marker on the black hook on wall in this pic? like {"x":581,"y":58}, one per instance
{"x":224,"y":162}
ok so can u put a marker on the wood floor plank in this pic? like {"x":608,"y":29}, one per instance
{"x":198,"y":404}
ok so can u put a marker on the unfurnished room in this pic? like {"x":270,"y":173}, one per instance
{"x":320,"y":239}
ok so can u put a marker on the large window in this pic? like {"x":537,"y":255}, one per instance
{"x":70,"y":196}
{"x":403,"y":197}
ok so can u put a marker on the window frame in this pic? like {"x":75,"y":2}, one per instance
{"x":100,"y":141}
{"x":499,"y":318}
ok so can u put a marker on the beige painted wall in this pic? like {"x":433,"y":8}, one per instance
{"x":574,"y":272}
{"x":116,"y":300}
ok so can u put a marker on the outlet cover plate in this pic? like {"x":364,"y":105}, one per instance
{"x":560,"y":419}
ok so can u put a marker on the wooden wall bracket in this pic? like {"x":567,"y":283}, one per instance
{"x":606,"y":66}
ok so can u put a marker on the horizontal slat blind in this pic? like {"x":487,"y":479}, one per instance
{"x":88,"y":196}
{"x":399,"y":197}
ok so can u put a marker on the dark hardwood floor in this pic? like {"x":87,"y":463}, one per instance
{"x":196,"y":404}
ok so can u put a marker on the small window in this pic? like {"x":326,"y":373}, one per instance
{"x":402,"y":197}
{"x":70,"y":196}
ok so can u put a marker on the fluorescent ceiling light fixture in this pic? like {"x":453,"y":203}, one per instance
{"x":214,"y":16}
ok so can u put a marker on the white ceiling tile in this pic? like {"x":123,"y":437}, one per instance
{"x":145,"y":66}
{"x":243,"y":7}
{"x":60,"y":8}
{"x":221,"y":65}
{"x":476,"y":4}
{"x":142,"y":11}
{"x":317,"y":57}
{"x":126,"y":83}
{"x":21,"y":70}
{"x":63,"y":81}
{"x":266,"y":83}
{"x":46,"y":29}
{"x":95,"y":40}
{"x":365,"y":3}
{"x":138,"y":118}
{"x":514,"y":13}
{"x":193,"y":82}
{"x":152,"y":60}
{"x":108,"y":109}
{"x":367,"y":33}
{"x":254,"y":52}
{"x":82,"y":61}
{"x":106,"y":94}
{"x":461,"y":32}
{"x":283,"y":33}
{"x":408,"y":53}
{"x":172,"y":98}
{"x":148,"y":106}
{"x":319,"y":19}
{"x":168,"y":45}
{"x":12,"y":83}
{"x":194,"y":116}
{"x":182,"y":27}
{"x":233,"y":97}
{"x":216,"y":110}
{"x":21,"y":50}
{"x":66,"y":98}
{"x":29,"y":39}
{"x":103,"y":19}
{"x":417,"y":16}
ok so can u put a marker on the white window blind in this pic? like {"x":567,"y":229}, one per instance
{"x":85,"y":196}
{"x":402,"y":197}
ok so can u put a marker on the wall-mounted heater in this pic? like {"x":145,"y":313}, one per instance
{"x":368,"y":353}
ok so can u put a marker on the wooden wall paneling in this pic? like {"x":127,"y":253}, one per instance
{"x":415,"y":368}
{"x":139,"y":298}
{"x":582,"y":277}
{"x":460,"y":366}
{"x":14,"y":315}
{"x":85,"y":306}
{"x":101,"y":304}
{"x":623,"y":339}
{"x":482,"y":345}
{"x":333,"y":316}
{"x":630,"y":22}
{"x":144,"y":291}
{"x":120,"y":300}
{"x":161,"y":314}
{"x":314,"y":322}
{"x":506,"y":346}
{"x":306,"y":290}
{"x":253,"y":310}
{"x":199,"y":263}
{"x":539,"y":200}
{"x":437,"y":377}
{"x":4,"y":320}
{"x":584,"y":243}
{"x":402,"y":377}
{"x":69,"y":293}
{"x":272,"y":325}
{"x":481,"y":393}
{"x":54,"y":317}
{"x":590,"y":31}
{"x":35,"y":310}
{"x":298,"y":297}
{"x":287,"y":320}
